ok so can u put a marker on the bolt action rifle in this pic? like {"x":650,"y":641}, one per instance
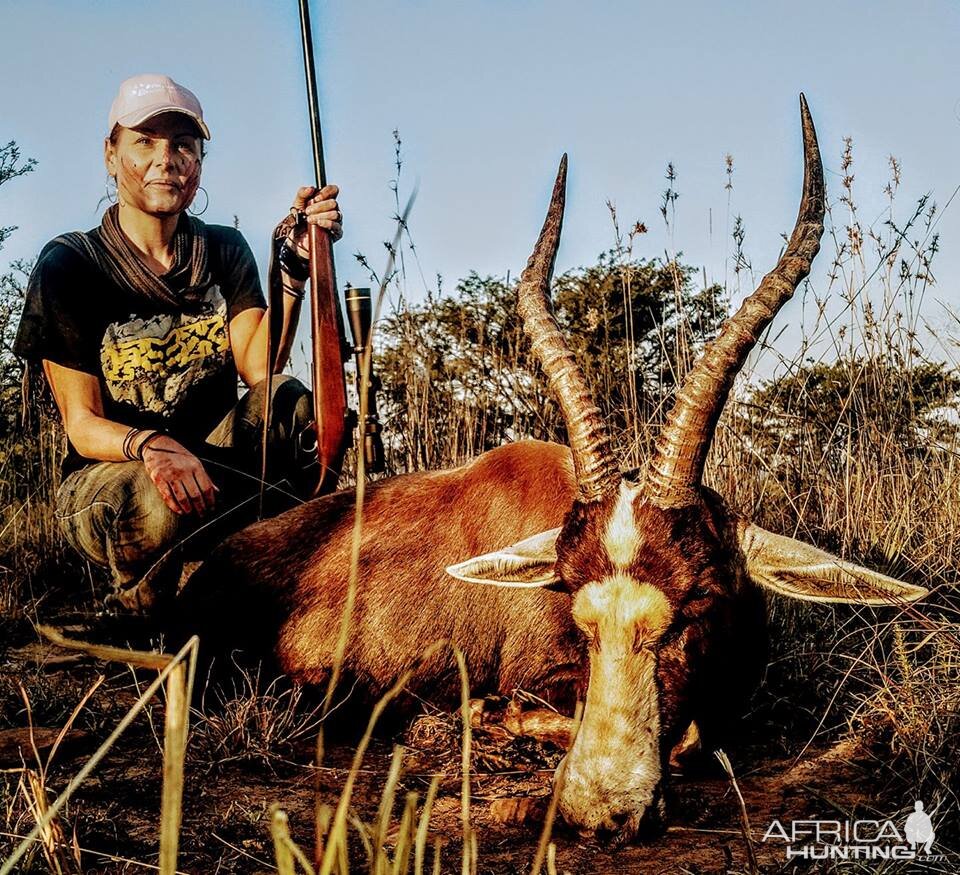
{"x":334,"y":421}
{"x":330,"y":351}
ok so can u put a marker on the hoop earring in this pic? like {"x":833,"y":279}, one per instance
{"x":110,"y":195}
{"x":206,"y":203}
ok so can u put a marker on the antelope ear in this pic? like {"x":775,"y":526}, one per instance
{"x":528,"y":564}
{"x":800,"y":571}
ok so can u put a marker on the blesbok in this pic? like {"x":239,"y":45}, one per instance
{"x":646,"y":596}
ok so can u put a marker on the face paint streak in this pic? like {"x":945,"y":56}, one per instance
{"x":132,"y":183}
{"x":192,"y":184}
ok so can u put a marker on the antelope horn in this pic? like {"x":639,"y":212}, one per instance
{"x":674,"y":472}
{"x":593,"y":462}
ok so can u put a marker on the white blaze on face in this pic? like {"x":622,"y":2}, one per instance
{"x":612,"y":772}
{"x":620,"y":538}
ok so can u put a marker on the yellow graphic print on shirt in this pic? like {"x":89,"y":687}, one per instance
{"x":151,"y":363}
{"x":165,"y":355}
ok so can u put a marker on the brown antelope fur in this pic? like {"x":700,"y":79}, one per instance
{"x":277,"y":588}
{"x":643,"y":598}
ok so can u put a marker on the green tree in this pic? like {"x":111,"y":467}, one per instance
{"x":30,"y":450}
{"x":12,"y":166}
{"x":456,"y":371}
{"x":12,"y":293}
{"x":822,"y":413}
{"x":636,"y":327}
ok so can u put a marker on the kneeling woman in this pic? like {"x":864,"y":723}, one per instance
{"x":142,"y":326}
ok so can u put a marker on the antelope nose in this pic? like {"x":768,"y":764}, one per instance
{"x":616,"y":829}
{"x":621,"y":826}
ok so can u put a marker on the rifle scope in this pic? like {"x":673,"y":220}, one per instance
{"x":360,"y":312}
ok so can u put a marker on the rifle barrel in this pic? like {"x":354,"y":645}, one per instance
{"x":320,"y":170}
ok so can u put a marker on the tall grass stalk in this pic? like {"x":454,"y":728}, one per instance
{"x":469,"y":859}
{"x":170,"y":819}
{"x":357,"y":536}
{"x":544,"y":844}
{"x":336,"y":840}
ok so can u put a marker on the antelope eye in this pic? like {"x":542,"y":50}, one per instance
{"x":680,"y":622}
{"x":696,"y":602}
{"x":642,"y":640}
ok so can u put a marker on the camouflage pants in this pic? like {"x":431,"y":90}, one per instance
{"x":114,"y":516}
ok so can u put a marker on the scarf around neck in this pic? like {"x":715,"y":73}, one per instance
{"x":112,"y":252}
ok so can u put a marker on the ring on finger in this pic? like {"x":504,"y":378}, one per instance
{"x":299,"y":218}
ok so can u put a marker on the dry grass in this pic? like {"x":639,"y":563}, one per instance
{"x":34,"y":794}
{"x":254,"y":721}
{"x":176,"y":676}
{"x":875,"y":490}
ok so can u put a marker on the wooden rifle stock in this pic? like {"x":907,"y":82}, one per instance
{"x":326,"y":324}
{"x":329,"y":385}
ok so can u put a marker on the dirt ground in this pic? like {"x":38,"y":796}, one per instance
{"x":114,"y":815}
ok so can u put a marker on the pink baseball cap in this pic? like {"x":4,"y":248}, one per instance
{"x":148,"y":94}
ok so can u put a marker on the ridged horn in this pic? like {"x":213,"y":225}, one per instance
{"x":676,"y":468}
{"x":593,"y":461}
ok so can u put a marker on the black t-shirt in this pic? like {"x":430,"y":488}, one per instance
{"x":158,"y":367}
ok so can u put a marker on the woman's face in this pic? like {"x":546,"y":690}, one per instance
{"x":156,"y":165}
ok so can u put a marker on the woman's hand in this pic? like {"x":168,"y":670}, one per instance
{"x":320,"y":208}
{"x":179,"y":476}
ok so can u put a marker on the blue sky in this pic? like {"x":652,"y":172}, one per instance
{"x":486,"y":97}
